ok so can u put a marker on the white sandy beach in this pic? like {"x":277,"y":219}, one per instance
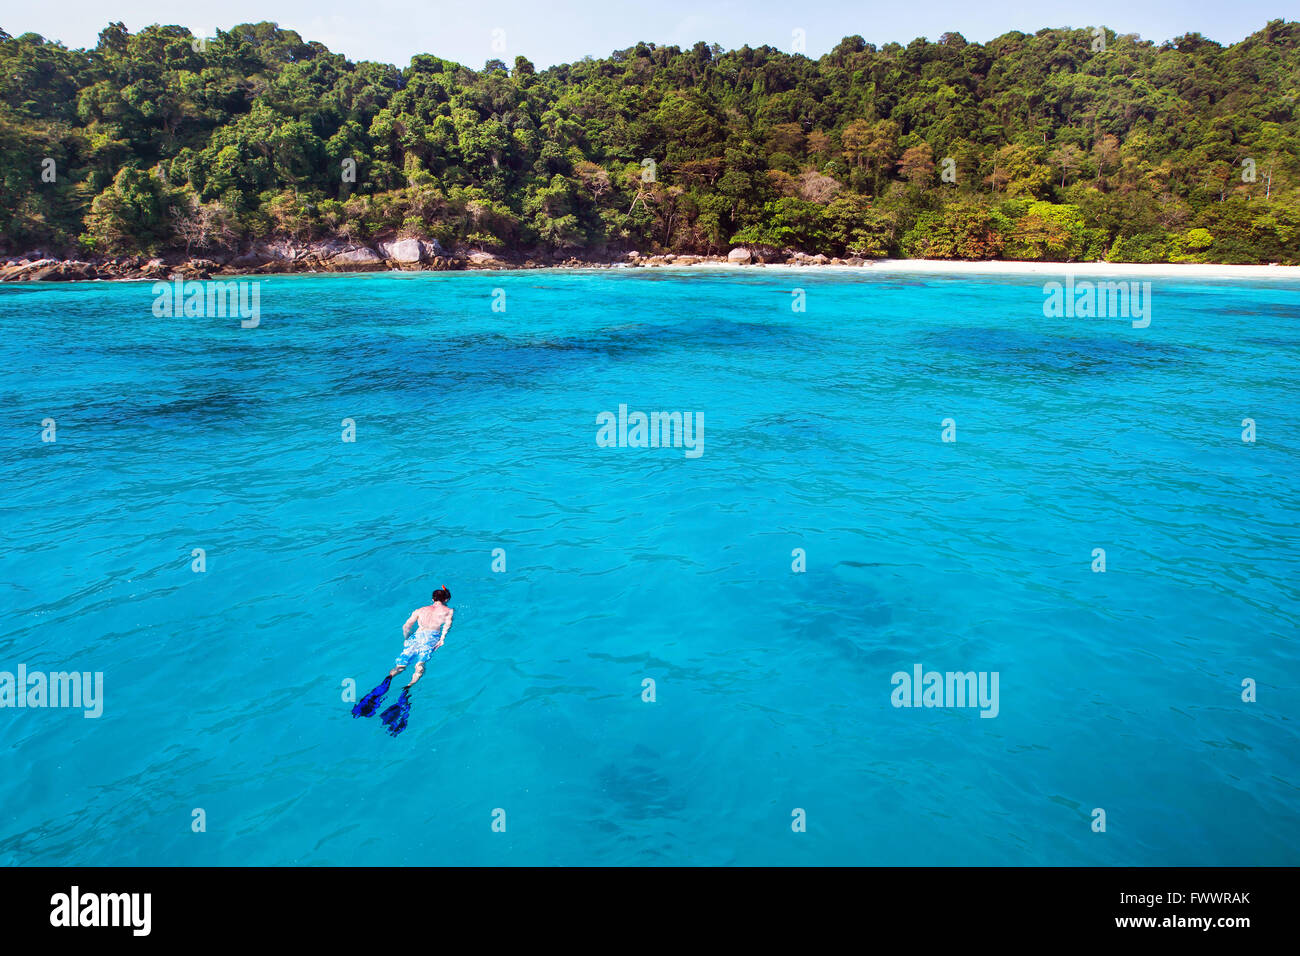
{"x":1056,"y":269}
{"x":1136,"y":270}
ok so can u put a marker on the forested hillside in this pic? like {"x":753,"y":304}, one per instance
{"x":1063,"y":145}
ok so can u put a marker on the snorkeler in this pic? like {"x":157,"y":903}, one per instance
{"x":432,"y":622}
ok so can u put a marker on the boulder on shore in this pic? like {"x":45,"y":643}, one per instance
{"x":280,"y":249}
{"x":64,"y":272}
{"x":740,"y":254}
{"x":483,"y":259}
{"x":197,"y":268}
{"x":20,"y":271}
{"x":362,"y":257}
{"x":410,"y":251}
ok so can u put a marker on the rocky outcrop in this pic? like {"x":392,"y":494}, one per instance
{"x":196,"y":269}
{"x":341,"y":255}
{"x":358,"y":259}
{"x":410,"y":251}
{"x":22,"y":270}
{"x":803,"y":259}
{"x":64,"y":272}
{"x":482,"y":259}
{"x":403,"y":251}
{"x":281,"y":250}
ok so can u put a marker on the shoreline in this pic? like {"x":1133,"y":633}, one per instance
{"x":1163,"y":270}
{"x":136,"y":269}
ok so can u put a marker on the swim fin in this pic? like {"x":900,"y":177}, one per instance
{"x":394,"y":717}
{"x":367,"y":705}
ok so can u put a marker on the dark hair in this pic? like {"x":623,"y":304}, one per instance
{"x":442,"y":594}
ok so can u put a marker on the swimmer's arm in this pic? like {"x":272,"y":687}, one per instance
{"x":446,"y":626}
{"x":406,"y":628}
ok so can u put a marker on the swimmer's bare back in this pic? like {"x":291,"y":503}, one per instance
{"x":431,"y":617}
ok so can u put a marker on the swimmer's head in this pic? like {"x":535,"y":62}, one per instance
{"x":442,"y":594}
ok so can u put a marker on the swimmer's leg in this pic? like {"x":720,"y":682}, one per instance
{"x":396,"y":670}
{"x":394,"y":718}
{"x":366,"y":706}
{"x":419,"y":672}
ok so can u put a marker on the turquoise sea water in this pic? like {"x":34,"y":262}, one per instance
{"x":476,"y":430}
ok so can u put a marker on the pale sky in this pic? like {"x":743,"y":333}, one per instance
{"x":391,"y":31}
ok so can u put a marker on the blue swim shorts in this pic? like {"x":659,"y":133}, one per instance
{"x":418,"y":649}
